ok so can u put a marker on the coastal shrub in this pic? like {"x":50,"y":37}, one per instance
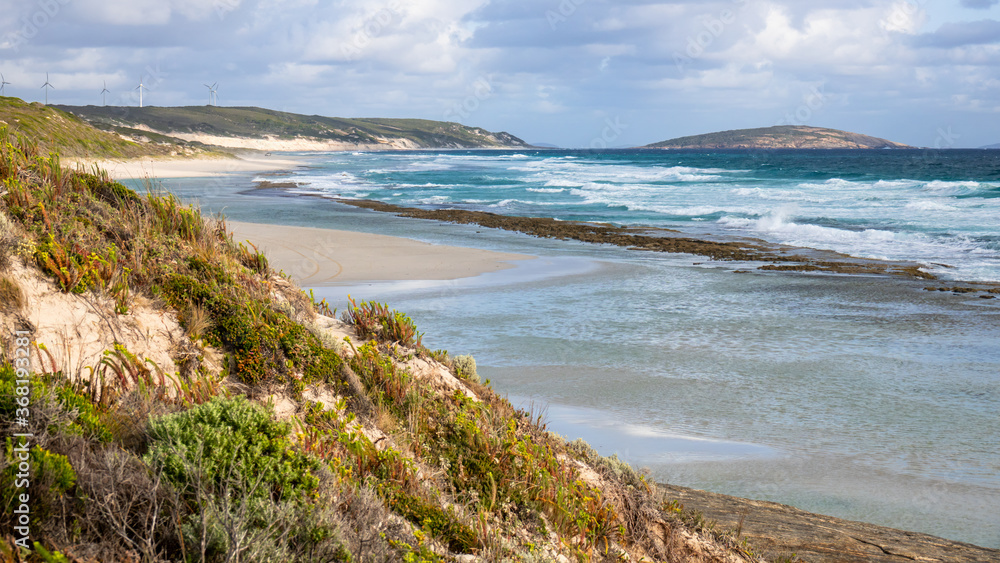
{"x":611,"y":467}
{"x":50,"y":477}
{"x":232,"y":525}
{"x":375,"y":320}
{"x":264,"y":341}
{"x":254,"y":261}
{"x":11,"y":296}
{"x":107,"y":190}
{"x":231,"y":436}
{"x":8,"y":240}
{"x":438,"y":522}
{"x":387,"y":385}
{"x":465,"y":367}
{"x":172,"y":218}
{"x":493,"y":454}
{"x":67,"y":410}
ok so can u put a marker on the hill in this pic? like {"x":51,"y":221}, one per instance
{"x":264,"y":129}
{"x":779,"y":137}
{"x":58,"y":131}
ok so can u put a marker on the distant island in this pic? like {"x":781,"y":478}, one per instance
{"x":270,"y":130}
{"x":779,"y":137}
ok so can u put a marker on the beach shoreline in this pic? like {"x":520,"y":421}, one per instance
{"x":143,"y":168}
{"x":316,"y":257}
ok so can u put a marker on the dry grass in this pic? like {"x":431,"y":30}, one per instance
{"x":11,"y":296}
{"x":197,"y":322}
{"x":8,"y":240}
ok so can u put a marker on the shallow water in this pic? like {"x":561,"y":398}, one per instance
{"x":864,"y":398}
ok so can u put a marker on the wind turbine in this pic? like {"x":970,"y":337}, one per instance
{"x":139,"y":88}
{"x":212,"y":94}
{"x":104,"y":98}
{"x":3,"y":82}
{"x":46,"y":87}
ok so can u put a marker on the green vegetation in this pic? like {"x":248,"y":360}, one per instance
{"x":778,"y":137}
{"x":465,"y":367}
{"x":131,"y":463}
{"x":230,"y":435}
{"x":375,"y":320}
{"x":66,"y":134}
{"x":258,"y":122}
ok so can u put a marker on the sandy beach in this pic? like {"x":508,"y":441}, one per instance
{"x":137,"y":169}
{"x":327,"y":257}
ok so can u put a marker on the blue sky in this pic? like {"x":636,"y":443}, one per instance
{"x":576,"y":73}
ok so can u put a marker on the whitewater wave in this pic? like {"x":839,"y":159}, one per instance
{"x":837,"y":184}
{"x":512,"y":202}
{"x":580,"y":172}
{"x":928,"y":205}
{"x":434,"y":200}
{"x":559,"y":182}
{"x":776,"y":194}
{"x":895,"y":184}
{"x":967,"y":257}
{"x":941,"y":187}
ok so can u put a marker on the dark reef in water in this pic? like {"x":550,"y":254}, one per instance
{"x":781,"y":258}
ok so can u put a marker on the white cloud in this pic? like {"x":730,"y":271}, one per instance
{"x":151,"y":12}
{"x":904,"y":16}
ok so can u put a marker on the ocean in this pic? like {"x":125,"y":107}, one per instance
{"x":861,"y":397}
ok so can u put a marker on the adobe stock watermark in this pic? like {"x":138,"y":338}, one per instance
{"x":224,"y":7}
{"x":563,"y":12}
{"x":901,"y":17}
{"x":480,"y":91}
{"x":372,"y":28}
{"x":814,"y":99}
{"x":31,"y":25}
{"x":612,"y":131}
{"x":945,"y":139}
{"x":713,"y":28}
{"x":22,"y":440}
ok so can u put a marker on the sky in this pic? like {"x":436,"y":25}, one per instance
{"x":574,"y":73}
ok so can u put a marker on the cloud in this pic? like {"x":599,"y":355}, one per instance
{"x":960,"y":34}
{"x":979,"y":4}
{"x":150,"y":12}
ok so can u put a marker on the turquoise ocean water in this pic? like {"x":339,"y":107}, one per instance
{"x":859,"y":397}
